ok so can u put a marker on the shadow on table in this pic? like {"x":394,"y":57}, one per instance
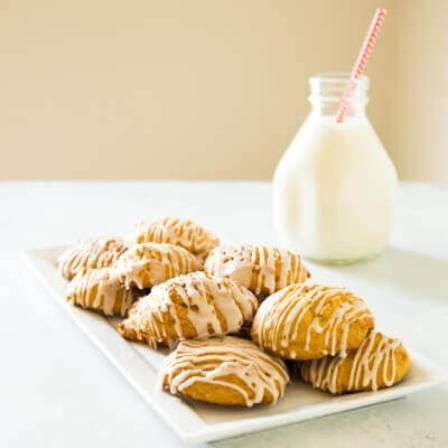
{"x":417,"y":273}
{"x":418,"y":416}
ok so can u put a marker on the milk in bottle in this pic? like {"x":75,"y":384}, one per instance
{"x":335,"y":186}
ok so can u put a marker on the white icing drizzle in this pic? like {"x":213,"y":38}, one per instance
{"x":91,"y":254}
{"x":210,"y":361}
{"x":373,"y":365}
{"x":148,"y":264}
{"x":98,"y":289}
{"x":279,"y":319}
{"x":190,"y":306}
{"x":262,"y":269}
{"x":181,"y":232}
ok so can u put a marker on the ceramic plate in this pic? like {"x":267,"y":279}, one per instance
{"x":196,"y":422}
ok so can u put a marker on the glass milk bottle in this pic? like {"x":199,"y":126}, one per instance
{"x":335,"y":186}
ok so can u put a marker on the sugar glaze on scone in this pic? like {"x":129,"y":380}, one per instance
{"x":189,"y":306}
{"x":261,"y":269}
{"x":226,"y":371}
{"x":148,"y":264}
{"x":379,"y":362}
{"x":309,"y":321}
{"x":99,"y":290}
{"x":90,"y":254}
{"x":180,"y":232}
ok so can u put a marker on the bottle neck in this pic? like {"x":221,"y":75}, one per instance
{"x":327,"y":89}
{"x":330,"y":109}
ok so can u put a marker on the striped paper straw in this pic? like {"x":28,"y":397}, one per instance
{"x":361,"y":62}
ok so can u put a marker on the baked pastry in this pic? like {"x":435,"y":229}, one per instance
{"x":309,"y":321}
{"x":225,"y":371}
{"x":379,"y":362}
{"x":181,"y":232}
{"x":261,"y":269}
{"x":187,"y":307}
{"x":99,"y":289}
{"x":148,"y":264}
{"x":91,"y":254}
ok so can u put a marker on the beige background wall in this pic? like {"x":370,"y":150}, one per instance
{"x":421,"y":147}
{"x":157,"y":89}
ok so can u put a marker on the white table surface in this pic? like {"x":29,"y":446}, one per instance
{"x":57,"y":390}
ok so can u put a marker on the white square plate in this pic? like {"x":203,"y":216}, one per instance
{"x":196,"y":422}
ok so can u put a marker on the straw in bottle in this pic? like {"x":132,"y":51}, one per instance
{"x":361,"y":62}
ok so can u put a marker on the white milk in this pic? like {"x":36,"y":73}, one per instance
{"x":335,"y":187}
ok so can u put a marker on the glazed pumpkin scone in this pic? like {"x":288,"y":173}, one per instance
{"x":309,"y":321}
{"x":148,"y":264}
{"x":379,"y":362}
{"x":99,"y":289}
{"x":226,"y":371}
{"x":261,"y":269}
{"x":187,"y":307}
{"x":91,"y":254}
{"x":180,"y":232}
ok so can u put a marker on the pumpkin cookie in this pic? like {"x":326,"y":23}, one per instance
{"x":180,"y":232}
{"x":99,"y":290}
{"x":261,"y":269}
{"x":148,"y":264}
{"x":226,"y":371}
{"x":91,"y":254}
{"x":379,"y":362}
{"x":187,"y":307}
{"x":309,"y":321}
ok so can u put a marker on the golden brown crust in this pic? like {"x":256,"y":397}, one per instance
{"x":189,"y":306}
{"x":309,"y":321}
{"x":218,"y":393}
{"x":261,"y":269}
{"x":148,"y":264}
{"x":379,"y":362}
{"x":180,"y":232}
{"x":226,"y":371}
{"x":99,"y":290}
{"x":91,"y":254}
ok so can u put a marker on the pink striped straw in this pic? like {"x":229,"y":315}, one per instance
{"x":361,"y":62}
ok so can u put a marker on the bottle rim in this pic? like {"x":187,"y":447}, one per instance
{"x":330,"y":86}
{"x":337,"y":78}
